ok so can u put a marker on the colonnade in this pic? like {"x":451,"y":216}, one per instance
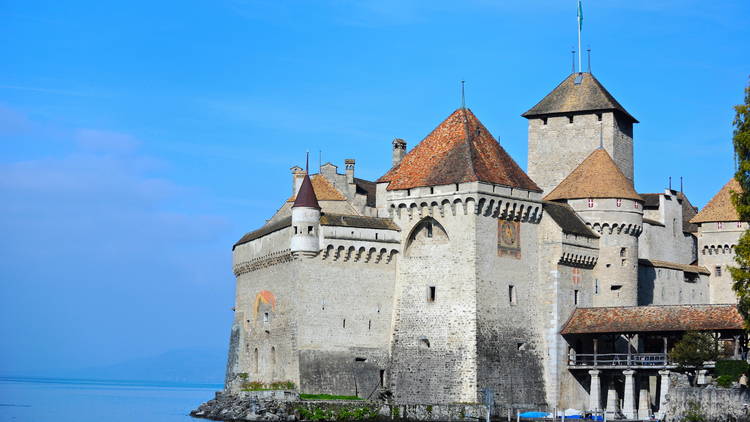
{"x":629,"y":408}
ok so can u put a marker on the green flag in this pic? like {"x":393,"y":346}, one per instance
{"x":580,"y":15}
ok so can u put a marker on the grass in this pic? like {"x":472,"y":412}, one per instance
{"x":327,"y":397}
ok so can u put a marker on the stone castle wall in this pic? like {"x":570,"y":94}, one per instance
{"x":716,"y":253}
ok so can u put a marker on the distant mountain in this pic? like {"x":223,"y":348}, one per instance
{"x":202,"y":366}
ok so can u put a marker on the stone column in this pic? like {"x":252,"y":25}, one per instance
{"x":613,"y":402}
{"x":628,"y":404}
{"x":663,"y":395}
{"x":644,"y":408}
{"x":595,"y":400}
{"x":702,"y":377}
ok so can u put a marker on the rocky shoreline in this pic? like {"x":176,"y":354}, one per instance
{"x":287,"y":406}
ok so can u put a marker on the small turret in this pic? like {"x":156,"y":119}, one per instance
{"x":305,"y":221}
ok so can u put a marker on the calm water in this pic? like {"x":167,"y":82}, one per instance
{"x":55,"y":400}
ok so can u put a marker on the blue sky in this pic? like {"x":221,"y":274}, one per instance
{"x":140,"y":139}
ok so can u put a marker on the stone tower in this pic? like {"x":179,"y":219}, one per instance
{"x":719,"y":230}
{"x":305,"y":221}
{"x":572,"y":121}
{"x":605,"y":199}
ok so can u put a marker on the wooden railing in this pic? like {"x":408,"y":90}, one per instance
{"x":618,"y":359}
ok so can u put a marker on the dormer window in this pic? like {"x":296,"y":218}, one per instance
{"x":591,"y":202}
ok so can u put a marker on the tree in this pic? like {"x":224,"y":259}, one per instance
{"x":741,"y":141}
{"x":693,"y":349}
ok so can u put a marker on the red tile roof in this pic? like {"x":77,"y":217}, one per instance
{"x":324,"y":190}
{"x":459,"y":150}
{"x":721,"y":207}
{"x":634,"y":319}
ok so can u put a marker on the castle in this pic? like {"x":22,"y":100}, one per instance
{"x":457,"y":271}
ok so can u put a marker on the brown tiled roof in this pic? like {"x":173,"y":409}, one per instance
{"x":567,"y":219}
{"x":697,"y":269}
{"x":266,"y":229}
{"x":341,"y":220}
{"x":596,"y":177}
{"x":589,"y":95}
{"x":368,"y":188}
{"x":634,"y":319}
{"x":720,"y":208}
{"x":459,"y":150}
{"x":324,"y":190}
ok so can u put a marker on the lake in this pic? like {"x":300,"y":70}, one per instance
{"x":61,"y":400}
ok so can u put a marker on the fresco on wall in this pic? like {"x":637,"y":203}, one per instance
{"x":509,"y":238}
{"x":266,"y":297}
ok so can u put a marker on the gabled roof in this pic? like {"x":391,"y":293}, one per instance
{"x":459,"y":150}
{"x":324,"y":190}
{"x":720,"y":208}
{"x":695,"y":269}
{"x":306,"y":195}
{"x":569,"y":97}
{"x":635,"y":319}
{"x":567,"y":219}
{"x":596,"y":177}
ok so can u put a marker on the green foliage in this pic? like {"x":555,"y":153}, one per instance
{"x":693,"y":349}
{"x":327,"y":397}
{"x":242,"y":375}
{"x":395,"y":413}
{"x":741,"y":141}
{"x":694,"y":413}
{"x":338,"y":414}
{"x":731,"y":368}
{"x":259,"y":386}
{"x":724,"y":381}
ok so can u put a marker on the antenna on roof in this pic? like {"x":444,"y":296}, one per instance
{"x":680,"y":184}
{"x":580,"y":26}
{"x":307,"y":162}
{"x":573,"y":63}
{"x":588,"y":52}
{"x":670,"y":182}
{"x":463,"y":96}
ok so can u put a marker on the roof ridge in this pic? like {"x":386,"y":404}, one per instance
{"x":597,"y":176}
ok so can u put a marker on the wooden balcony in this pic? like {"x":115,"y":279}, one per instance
{"x":619,"y":360}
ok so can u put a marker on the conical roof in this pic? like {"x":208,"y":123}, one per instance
{"x":720,"y":208}
{"x":596,"y":177}
{"x":571,"y":97}
{"x":459,"y":150}
{"x":306,"y":195}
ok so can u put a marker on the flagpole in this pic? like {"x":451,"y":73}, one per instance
{"x":578,"y":12}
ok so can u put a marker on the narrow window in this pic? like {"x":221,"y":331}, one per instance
{"x":512,"y":294}
{"x":570,"y":118}
{"x":296,"y":231}
{"x":256,"y":358}
{"x":622,"y":264}
{"x":376,"y":236}
{"x":432,"y":190}
{"x":310,"y":230}
{"x":343,"y":325}
{"x":265,"y":317}
{"x":456,"y":187}
{"x":429,"y":229}
{"x":431,"y":294}
{"x":378,"y":308}
{"x":576,"y":296}
{"x":619,"y":202}
{"x":591,"y":202}
{"x":323,"y":304}
{"x":360,"y":359}
{"x":719,"y":225}
{"x":717,"y":271}
{"x":408,"y":192}
{"x":623,"y":251}
{"x":635,"y":205}
{"x":598,"y":117}
{"x":615,"y":287}
{"x":596,"y":286}
{"x":739,"y":224}
{"x":369,"y":324}
{"x":273,"y":355}
{"x":382,"y":377}
{"x":521,"y":346}
{"x":544,"y":121}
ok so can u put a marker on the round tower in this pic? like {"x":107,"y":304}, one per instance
{"x":605,"y":199}
{"x":305,"y":221}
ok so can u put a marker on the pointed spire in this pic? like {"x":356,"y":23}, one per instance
{"x":720,"y":207}
{"x":596,"y":177}
{"x":306,"y":195}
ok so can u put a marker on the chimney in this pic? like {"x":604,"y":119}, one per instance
{"x":399,"y":150}
{"x":349,"y":165}
{"x":297,"y":175}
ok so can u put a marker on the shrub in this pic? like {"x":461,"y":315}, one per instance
{"x":242,"y":375}
{"x":724,"y":381}
{"x":305,"y":396}
{"x":732,"y":368}
{"x":693,"y":349}
{"x":693,"y":413}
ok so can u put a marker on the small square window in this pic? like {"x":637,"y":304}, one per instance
{"x":591,"y":202}
{"x":717,"y":271}
{"x":623,"y":251}
{"x":521,"y":346}
{"x":309,"y":229}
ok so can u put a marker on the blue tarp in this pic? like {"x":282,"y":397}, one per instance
{"x":535,"y":415}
